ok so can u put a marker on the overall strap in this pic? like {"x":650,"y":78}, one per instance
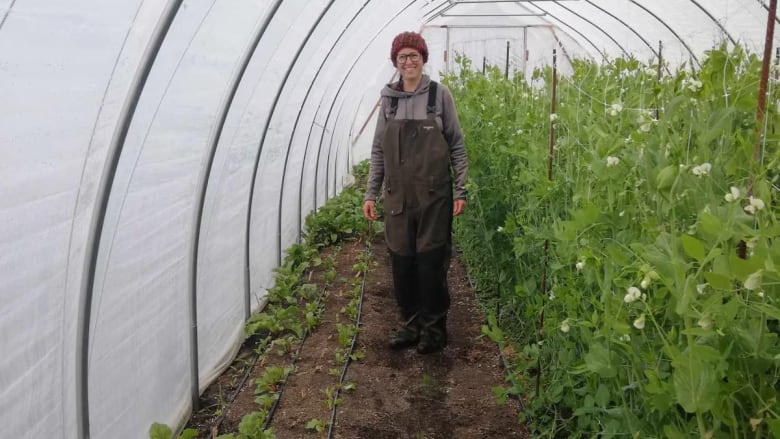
{"x":393,"y":105}
{"x":432,"y":99}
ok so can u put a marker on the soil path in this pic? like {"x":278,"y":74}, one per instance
{"x":397,"y":394}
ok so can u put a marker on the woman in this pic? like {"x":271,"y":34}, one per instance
{"x":417,"y":140}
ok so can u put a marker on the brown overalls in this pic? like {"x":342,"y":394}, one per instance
{"x":418,"y":214}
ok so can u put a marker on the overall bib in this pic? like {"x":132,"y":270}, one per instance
{"x":418,"y":217}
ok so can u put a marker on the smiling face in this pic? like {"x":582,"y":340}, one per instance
{"x":410,"y":63}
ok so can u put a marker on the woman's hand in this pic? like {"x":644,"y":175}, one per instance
{"x":369,"y":210}
{"x":458,"y":206}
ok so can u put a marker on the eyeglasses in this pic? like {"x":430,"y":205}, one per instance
{"x":413,"y":57}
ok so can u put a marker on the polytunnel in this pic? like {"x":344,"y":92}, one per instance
{"x":158,"y":157}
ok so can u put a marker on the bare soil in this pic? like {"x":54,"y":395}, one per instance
{"x":397,"y":394}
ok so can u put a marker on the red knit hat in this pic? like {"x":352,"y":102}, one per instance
{"x":411,"y":40}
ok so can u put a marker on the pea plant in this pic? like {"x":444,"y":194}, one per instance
{"x":639,"y":284}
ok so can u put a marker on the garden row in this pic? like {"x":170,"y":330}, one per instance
{"x":636,"y":278}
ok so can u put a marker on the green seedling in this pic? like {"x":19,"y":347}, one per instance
{"x":317,"y":425}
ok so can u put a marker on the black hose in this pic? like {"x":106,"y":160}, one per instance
{"x":271,"y":411}
{"x":351,"y":349}
{"x":504,"y":362}
{"x":232,"y":398}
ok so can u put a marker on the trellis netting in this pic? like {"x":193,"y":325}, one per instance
{"x":156,"y":157}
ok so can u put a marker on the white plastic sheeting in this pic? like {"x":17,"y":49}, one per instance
{"x":67,"y":70}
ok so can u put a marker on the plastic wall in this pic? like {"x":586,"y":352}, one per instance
{"x":251,"y":116}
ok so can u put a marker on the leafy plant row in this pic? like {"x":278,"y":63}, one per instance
{"x":638,"y":285}
{"x":294,"y":306}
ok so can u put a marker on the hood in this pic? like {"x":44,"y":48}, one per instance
{"x":391,"y":90}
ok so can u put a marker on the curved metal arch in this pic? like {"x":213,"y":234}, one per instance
{"x":295,"y":127}
{"x":619,"y":20}
{"x":766,"y":8}
{"x":603,"y":55}
{"x":436,"y":14}
{"x":271,"y":111}
{"x":330,"y":149}
{"x":92,"y":247}
{"x":214,"y":141}
{"x":7,"y":13}
{"x":690,"y":52}
{"x":341,"y":86}
{"x":596,"y":26}
{"x":722,"y":28}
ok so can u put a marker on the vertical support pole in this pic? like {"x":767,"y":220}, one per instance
{"x":525,"y":51}
{"x":552,"y":111}
{"x":484,"y":64}
{"x":506,"y":71}
{"x":550,"y":150}
{"x":658,"y":72}
{"x":776,"y":77}
{"x":447,"y":53}
{"x":761,"y":107}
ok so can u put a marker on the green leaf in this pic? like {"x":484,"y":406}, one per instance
{"x":601,"y":361}
{"x":774,"y":427}
{"x":189,"y":433}
{"x":710,"y":224}
{"x":665,"y":177}
{"x":693,"y":247}
{"x":160,"y":431}
{"x":717,"y":280}
{"x":695,"y":384}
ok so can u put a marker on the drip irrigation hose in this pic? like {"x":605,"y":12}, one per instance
{"x":249,"y":370}
{"x":352,"y":345}
{"x":504,"y":362}
{"x":270,"y":416}
{"x":232,"y":398}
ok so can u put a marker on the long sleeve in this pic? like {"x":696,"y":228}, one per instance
{"x":376,"y":173}
{"x":454,"y":137}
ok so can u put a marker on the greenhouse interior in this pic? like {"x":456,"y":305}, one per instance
{"x":615,"y":255}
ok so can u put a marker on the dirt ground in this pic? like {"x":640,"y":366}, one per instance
{"x":396,"y":394}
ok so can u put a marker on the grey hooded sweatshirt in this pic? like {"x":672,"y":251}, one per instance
{"x":413,"y":105}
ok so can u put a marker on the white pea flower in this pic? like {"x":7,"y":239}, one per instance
{"x":733,"y":194}
{"x":553,"y":117}
{"x":615,"y":109}
{"x":612,"y":161}
{"x":565,"y":326}
{"x":551,"y":296}
{"x":693,"y":85}
{"x":500,"y":229}
{"x":645,"y":127}
{"x":700,"y":288}
{"x":705,"y":323}
{"x":757,"y":203}
{"x":761,"y":294}
{"x":518,"y":132}
{"x":753,"y":282}
{"x":632,"y":295}
{"x":645,"y":282}
{"x":580,"y":265}
{"x":639,"y":323}
{"x":625,"y":337}
{"x":751,"y":209}
{"x":702,"y":169}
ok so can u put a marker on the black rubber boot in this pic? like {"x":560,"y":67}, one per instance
{"x":433,"y":336}
{"x":405,"y":285}
{"x":407,"y":335}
